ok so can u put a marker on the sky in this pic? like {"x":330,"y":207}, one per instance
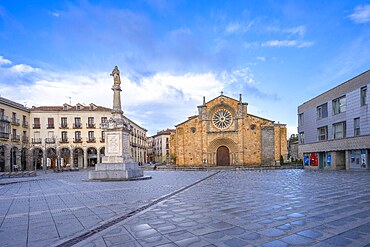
{"x":277,"y":54}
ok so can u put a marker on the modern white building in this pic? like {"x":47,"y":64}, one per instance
{"x":334,"y":127}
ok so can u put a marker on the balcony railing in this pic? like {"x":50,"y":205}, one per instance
{"x":16,"y":138}
{"x":4,"y":136}
{"x":25,"y":124}
{"x":90,"y":125}
{"x":36,"y":141}
{"x":77,"y":125}
{"x":36,"y":126}
{"x":25,"y":139}
{"x":104,"y":124}
{"x":102,"y":139}
{"x":77,"y":140}
{"x":64,"y":126}
{"x":63,"y":140}
{"x":15,"y":121}
{"x":3,"y":118}
{"x":91,"y":140}
{"x":50,"y":140}
{"x":50,"y":126}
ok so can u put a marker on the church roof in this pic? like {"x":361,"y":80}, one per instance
{"x":222,"y":95}
{"x":189,"y":118}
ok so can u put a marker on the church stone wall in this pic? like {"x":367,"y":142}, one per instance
{"x":250,"y":139}
{"x":268,"y":145}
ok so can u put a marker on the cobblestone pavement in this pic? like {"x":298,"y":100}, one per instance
{"x":41,"y":210}
{"x":231,"y":208}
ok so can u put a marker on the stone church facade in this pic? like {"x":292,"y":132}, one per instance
{"x":224,"y":134}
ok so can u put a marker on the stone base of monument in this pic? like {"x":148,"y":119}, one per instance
{"x":117,"y":172}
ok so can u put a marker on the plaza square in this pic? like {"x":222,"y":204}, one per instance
{"x":291,"y":207}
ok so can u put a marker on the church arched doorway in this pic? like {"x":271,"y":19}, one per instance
{"x":223,"y":156}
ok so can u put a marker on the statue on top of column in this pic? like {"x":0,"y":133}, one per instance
{"x":116,"y":77}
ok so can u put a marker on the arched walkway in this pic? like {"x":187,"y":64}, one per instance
{"x":2,"y":158}
{"x":13,"y":159}
{"x":51,"y":158}
{"x":102,"y":154}
{"x":24,"y":159}
{"x":65,"y":157}
{"x":37,"y":158}
{"x":78,"y":157}
{"x":92,"y":156}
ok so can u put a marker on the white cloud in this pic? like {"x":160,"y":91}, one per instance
{"x":361,"y":14}
{"x":262,"y":59}
{"x":232,"y":27}
{"x":4,"y":61}
{"x":300,"y":30}
{"x":288,"y":43}
{"x":243,"y":75}
{"x":22,"y":69}
{"x":54,"y":13}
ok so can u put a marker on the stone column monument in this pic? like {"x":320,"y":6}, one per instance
{"x":117,"y":164}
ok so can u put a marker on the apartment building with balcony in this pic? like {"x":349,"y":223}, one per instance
{"x":161,"y":146}
{"x":334,"y":127}
{"x":58,"y":135}
{"x":14,"y":135}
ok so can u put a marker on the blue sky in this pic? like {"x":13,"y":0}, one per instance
{"x":278,"y":54}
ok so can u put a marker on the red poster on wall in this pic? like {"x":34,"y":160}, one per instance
{"x":314,"y":161}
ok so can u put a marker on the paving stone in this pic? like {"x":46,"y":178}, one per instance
{"x":275,"y":243}
{"x":297,"y":240}
{"x":179,"y":235}
{"x":303,"y":203}
{"x":235,"y":242}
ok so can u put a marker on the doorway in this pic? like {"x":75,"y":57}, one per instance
{"x":223,"y":157}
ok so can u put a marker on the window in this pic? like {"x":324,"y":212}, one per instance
{"x":102,"y":138}
{"x":301,"y":138}
{"x":339,"y":130}
{"x":51,"y":123}
{"x":91,"y":135}
{"x":300,"y":119}
{"x":104,"y":119}
{"x":1,"y":113}
{"x":36,"y":123}
{"x":14,"y":117}
{"x":322,"y":133}
{"x":363,"y":95}
{"x":77,"y":123}
{"x":14,"y":133}
{"x":90,"y":122}
{"x":339,"y":105}
{"x":78,"y":136}
{"x":24,"y":120}
{"x":356,"y":124}
{"x":322,"y":111}
{"x":64,"y":136}
{"x":63,"y":122}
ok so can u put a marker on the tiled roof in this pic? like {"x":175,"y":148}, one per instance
{"x":13,"y":104}
{"x":165,"y":132}
{"x":73,"y":108}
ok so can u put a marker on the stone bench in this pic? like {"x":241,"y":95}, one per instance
{"x":17,"y":174}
